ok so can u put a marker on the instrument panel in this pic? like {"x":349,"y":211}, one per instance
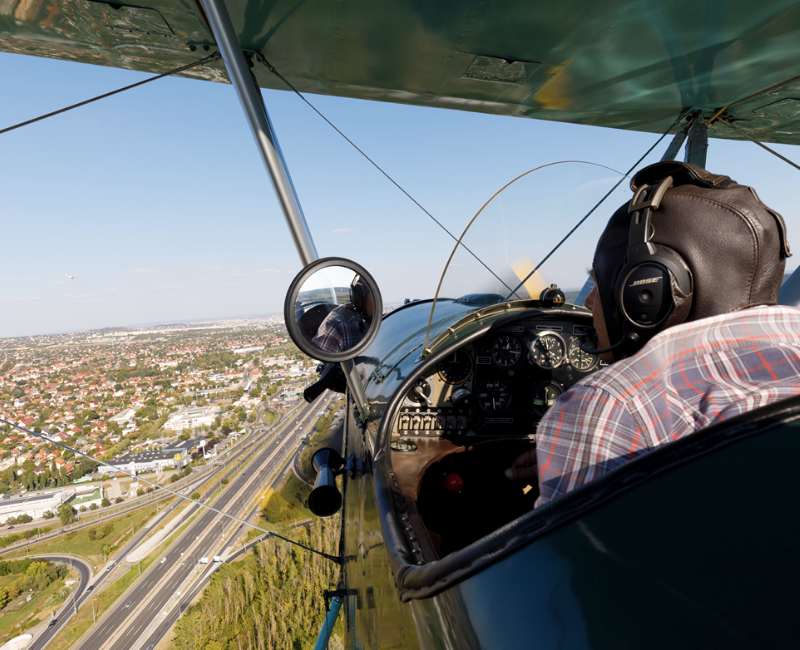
{"x":501,"y":384}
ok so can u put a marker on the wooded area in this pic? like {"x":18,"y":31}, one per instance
{"x":273,"y":599}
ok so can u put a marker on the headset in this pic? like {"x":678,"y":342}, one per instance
{"x":643,"y":289}
{"x":358,"y":293}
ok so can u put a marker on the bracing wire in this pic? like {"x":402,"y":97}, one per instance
{"x":760,"y":144}
{"x":268,"y":533}
{"x":183,"y":68}
{"x":272,"y":69}
{"x":596,"y":205}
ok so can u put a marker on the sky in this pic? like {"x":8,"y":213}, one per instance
{"x":157,"y":202}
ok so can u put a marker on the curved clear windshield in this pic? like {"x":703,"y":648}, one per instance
{"x":521,"y":225}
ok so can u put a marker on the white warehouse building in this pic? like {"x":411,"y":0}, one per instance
{"x":191,"y":417}
{"x":32,"y":504}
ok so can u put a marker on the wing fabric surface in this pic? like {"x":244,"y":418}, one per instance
{"x":629,"y":64}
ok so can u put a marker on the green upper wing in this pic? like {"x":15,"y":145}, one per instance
{"x":616,"y":63}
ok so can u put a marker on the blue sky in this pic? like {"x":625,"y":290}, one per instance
{"x":158,"y":200}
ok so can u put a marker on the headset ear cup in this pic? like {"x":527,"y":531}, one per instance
{"x":357,"y":294}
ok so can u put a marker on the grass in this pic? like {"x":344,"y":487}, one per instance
{"x":283,"y":506}
{"x":80,"y":624}
{"x":28,"y":614}
{"x":77,"y":542}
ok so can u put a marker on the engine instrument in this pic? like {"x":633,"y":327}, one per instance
{"x":581,"y":360}
{"x":507,"y":351}
{"x":548,"y":350}
{"x":456,"y":368}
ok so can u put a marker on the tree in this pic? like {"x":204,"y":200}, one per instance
{"x":48,"y":514}
{"x":66,"y":514}
{"x":93,"y":506}
{"x":224,"y":481}
{"x":118,"y":500}
{"x":195,"y":495}
{"x":105,"y":502}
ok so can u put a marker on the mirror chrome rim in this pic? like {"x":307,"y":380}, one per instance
{"x":294,"y":330}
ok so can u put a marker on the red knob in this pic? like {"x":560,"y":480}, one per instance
{"x":453,"y":483}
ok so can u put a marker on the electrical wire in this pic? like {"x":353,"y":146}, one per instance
{"x":597,"y":205}
{"x":272,"y":69}
{"x":760,"y":144}
{"x":269,"y":533}
{"x":183,"y":68}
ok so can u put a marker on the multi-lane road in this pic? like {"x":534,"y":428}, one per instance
{"x":82,"y":593}
{"x":144,"y":621}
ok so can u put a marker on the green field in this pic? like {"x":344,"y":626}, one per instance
{"x":16,"y":619}
{"x":80,"y":623}
{"x":78,"y":542}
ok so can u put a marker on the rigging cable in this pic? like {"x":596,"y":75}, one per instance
{"x":760,"y":144}
{"x":183,"y":68}
{"x":269,"y":533}
{"x":597,"y":205}
{"x":272,"y":69}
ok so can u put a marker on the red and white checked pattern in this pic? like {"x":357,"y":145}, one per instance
{"x":683,"y":380}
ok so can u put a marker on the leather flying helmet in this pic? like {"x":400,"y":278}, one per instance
{"x":690,"y":245}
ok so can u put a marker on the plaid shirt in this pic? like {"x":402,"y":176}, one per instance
{"x":685,"y":379}
{"x":340,"y":330}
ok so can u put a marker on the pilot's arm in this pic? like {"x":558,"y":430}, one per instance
{"x":587,"y":432}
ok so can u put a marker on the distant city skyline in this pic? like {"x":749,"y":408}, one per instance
{"x":156,"y":202}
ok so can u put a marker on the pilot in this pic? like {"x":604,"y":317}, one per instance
{"x":687,"y":278}
{"x":346,"y":325}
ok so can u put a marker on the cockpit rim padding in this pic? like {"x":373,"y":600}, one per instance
{"x":424,"y":581}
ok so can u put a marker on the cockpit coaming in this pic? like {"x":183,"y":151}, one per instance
{"x":468,"y":409}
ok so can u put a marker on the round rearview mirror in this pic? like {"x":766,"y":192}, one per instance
{"x":333,"y":309}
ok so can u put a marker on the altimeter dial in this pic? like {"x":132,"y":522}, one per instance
{"x":507,"y":351}
{"x":580,"y":359}
{"x":494,"y":395}
{"x":548,"y":350}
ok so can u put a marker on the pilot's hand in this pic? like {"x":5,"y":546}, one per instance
{"x":524,"y":467}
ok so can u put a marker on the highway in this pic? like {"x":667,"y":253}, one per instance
{"x":180,"y":604}
{"x":82,"y":595}
{"x":130,"y":627}
{"x":84,"y":569}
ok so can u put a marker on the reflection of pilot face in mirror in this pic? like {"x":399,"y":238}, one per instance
{"x":334,"y":309}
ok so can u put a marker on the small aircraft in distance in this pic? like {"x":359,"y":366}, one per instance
{"x":73,"y":277}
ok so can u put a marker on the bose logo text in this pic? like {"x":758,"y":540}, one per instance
{"x":645,"y":281}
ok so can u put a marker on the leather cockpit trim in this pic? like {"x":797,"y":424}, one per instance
{"x":424,"y":581}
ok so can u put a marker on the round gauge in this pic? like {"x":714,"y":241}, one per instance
{"x":494,"y":395}
{"x":544,"y":395}
{"x":507,"y":351}
{"x":548,"y":350}
{"x":580,"y":360}
{"x":420,"y":394}
{"x":456,"y":367}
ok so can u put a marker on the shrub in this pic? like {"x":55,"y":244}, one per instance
{"x":82,"y":509}
{"x":47,"y":514}
{"x":174,"y":478}
{"x":140,"y":492}
{"x":118,"y":500}
{"x":195,"y":495}
{"x":105,"y":502}
{"x":225,"y":481}
{"x":93,"y":506}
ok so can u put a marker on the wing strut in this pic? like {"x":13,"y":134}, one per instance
{"x":258,"y":118}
